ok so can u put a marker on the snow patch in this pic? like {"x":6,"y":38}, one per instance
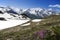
{"x":26,"y":24}
{"x":36,"y":20}
{"x":11,"y":23}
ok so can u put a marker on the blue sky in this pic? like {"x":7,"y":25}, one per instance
{"x":29,"y":3}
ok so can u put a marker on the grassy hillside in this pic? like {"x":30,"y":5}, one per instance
{"x":47,"y":29}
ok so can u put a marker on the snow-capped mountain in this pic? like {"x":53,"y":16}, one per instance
{"x":40,"y":13}
{"x":9,"y":13}
{"x":31,"y":13}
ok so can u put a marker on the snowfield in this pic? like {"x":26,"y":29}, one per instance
{"x":11,"y":23}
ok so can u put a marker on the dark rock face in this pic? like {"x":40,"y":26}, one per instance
{"x":11,"y":11}
{"x":1,"y":12}
{"x":31,"y":16}
{"x":1,"y":18}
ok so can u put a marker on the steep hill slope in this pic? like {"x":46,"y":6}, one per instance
{"x":28,"y":32}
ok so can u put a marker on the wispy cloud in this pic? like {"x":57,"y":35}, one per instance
{"x":2,"y":5}
{"x":56,"y":5}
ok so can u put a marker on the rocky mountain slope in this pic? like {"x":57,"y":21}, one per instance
{"x":31,"y":13}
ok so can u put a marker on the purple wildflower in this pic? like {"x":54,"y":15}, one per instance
{"x":41,"y":33}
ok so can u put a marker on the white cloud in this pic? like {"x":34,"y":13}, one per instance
{"x":56,"y":5}
{"x":50,"y":9}
{"x":2,"y":5}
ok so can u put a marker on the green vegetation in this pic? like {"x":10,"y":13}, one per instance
{"x":47,"y":29}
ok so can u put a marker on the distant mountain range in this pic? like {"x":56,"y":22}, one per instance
{"x":31,"y":13}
